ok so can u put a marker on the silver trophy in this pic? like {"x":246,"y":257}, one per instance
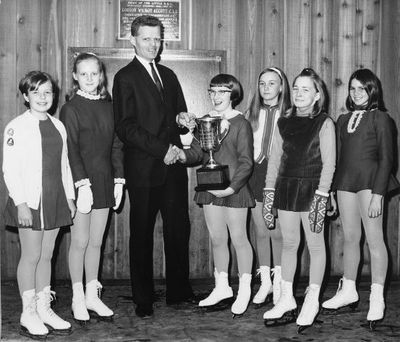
{"x":212,"y":176}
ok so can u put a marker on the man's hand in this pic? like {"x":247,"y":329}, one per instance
{"x":172,"y":155}
{"x":186,"y":120}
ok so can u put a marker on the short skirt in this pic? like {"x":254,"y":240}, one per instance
{"x":294,"y":194}
{"x":243,"y":199}
{"x":257,"y":179}
{"x":63,"y":218}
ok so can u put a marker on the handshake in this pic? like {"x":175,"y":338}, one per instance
{"x":174,"y":154}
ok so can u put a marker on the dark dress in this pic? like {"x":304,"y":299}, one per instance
{"x":236,"y":151}
{"x":94,"y":151}
{"x":365,"y":156}
{"x":53,"y":200}
{"x":301,"y":164}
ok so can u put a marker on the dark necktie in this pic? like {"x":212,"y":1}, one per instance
{"x":157,"y":80}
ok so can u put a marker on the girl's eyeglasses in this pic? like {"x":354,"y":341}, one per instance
{"x":213,"y":93}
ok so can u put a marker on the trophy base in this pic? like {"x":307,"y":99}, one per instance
{"x":212,"y":179}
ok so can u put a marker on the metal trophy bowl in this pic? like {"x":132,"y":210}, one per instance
{"x":211,"y":176}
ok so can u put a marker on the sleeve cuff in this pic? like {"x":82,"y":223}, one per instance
{"x":82,"y":182}
{"x":321,"y":193}
{"x":119,"y":180}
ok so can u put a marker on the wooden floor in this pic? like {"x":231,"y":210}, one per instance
{"x":188,"y":323}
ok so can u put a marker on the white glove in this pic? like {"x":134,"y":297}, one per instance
{"x":85,"y":199}
{"x":118,"y":191}
{"x":186,"y":139}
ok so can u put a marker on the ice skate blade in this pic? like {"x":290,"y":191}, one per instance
{"x":220,"y":306}
{"x":235,"y":315}
{"x":267,"y":300}
{"x":94,"y":314}
{"x":301,"y":328}
{"x":371,"y":325}
{"x":59,"y":332}
{"x":352,"y":307}
{"x":25,"y":332}
{"x":81,"y":322}
{"x":287,"y":318}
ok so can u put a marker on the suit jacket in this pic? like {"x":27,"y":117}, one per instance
{"x":145,"y":122}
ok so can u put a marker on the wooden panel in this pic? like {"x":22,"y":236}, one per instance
{"x":8,"y":110}
{"x":297,"y":36}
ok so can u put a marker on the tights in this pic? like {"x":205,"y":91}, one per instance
{"x":290,"y":225}
{"x":353,"y":209}
{"x":86,"y":240}
{"x":217,"y":219}
{"x":265,"y":238}
{"x":34,"y":267}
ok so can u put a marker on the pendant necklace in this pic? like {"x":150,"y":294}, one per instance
{"x":354,"y":121}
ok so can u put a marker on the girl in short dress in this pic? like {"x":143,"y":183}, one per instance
{"x":298,"y":180}
{"x":363,"y":177}
{"x":226,"y":210}
{"x":271,"y":100}
{"x":41,"y":193}
{"x":96,"y":162}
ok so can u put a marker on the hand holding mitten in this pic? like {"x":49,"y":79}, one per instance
{"x":318,"y":211}
{"x":268,"y":200}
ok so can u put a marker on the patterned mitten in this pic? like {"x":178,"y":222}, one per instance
{"x":268,"y":200}
{"x":318,"y":211}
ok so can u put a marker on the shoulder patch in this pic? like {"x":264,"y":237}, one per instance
{"x":10,"y":132}
{"x":10,"y":142}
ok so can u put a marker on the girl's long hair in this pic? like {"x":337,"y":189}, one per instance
{"x":321,"y":106}
{"x":253,"y":112}
{"x":372,"y":86}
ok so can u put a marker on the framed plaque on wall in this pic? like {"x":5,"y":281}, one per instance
{"x":169,"y":12}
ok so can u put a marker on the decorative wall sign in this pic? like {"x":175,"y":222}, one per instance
{"x":169,"y":12}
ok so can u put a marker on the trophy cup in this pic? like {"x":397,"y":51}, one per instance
{"x":211,"y":176}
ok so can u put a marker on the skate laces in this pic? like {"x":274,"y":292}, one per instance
{"x":31,"y":306}
{"x":49,"y":297}
{"x":340,"y":285}
{"x":99,"y":288}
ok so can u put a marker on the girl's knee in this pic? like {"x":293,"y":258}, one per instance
{"x":79,"y":243}
{"x":218,"y":240}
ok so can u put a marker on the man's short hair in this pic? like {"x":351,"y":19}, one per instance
{"x":145,"y":20}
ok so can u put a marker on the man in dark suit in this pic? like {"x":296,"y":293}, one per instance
{"x":147,"y":98}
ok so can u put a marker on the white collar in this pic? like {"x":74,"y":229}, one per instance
{"x":87,"y":95}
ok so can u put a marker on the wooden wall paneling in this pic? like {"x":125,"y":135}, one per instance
{"x":249,"y":35}
{"x":298,"y":36}
{"x":368,"y":13}
{"x":388,"y":66}
{"x":273,"y":34}
{"x":322,"y":41}
{"x":344,"y":61}
{"x":214,"y":28}
{"x":8,"y":110}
